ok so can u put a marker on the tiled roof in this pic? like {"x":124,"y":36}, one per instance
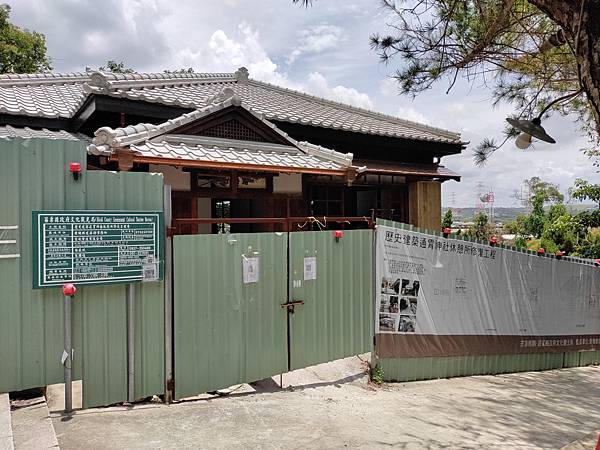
{"x":8,"y":132}
{"x":56,"y":95}
{"x":145,"y":137}
{"x":387,"y":168}
{"x":227,"y":151}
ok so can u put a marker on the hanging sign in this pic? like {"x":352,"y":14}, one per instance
{"x":96,"y":247}
{"x":250,"y":270}
{"x":310,"y":268}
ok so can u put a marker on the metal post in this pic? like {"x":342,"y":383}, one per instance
{"x":168,"y":298}
{"x":376,"y":285}
{"x":130,"y":342}
{"x":67,"y":354}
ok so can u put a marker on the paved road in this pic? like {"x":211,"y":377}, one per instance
{"x":332,"y":406}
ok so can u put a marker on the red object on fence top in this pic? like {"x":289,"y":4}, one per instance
{"x":338,"y":234}
{"x":69,"y":289}
{"x":74,"y":167}
{"x":541,"y":251}
{"x":447,"y":230}
{"x":493,"y":240}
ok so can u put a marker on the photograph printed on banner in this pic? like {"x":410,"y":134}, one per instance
{"x":398,"y":301}
{"x":389,"y":304}
{"x":408,"y":306}
{"x":387,"y":286}
{"x":387,"y":322}
{"x":410,"y":287}
{"x":407,"y":324}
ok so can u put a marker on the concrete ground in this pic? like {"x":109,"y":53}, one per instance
{"x":332,"y":406}
{"x":6,"y":434}
{"x":31,"y":424}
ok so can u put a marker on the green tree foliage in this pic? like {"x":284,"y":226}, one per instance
{"x":537,"y":219}
{"x":21,"y":51}
{"x":556,"y":229}
{"x":548,"y":191}
{"x":115,"y":67}
{"x":564,"y":231}
{"x":481,"y":228}
{"x":590,"y":247}
{"x":555,"y":212}
{"x":583,"y":190}
{"x":448,"y":219}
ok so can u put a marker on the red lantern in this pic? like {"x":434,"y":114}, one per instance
{"x":75,"y":169}
{"x":69,"y":289}
{"x":337,"y":234}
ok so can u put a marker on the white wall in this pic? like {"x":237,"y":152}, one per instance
{"x":204,"y":211}
{"x":178,"y":179}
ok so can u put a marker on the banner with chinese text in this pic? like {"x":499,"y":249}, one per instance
{"x":438,"y":296}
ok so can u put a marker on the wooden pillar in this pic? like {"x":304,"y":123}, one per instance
{"x":425,"y":204}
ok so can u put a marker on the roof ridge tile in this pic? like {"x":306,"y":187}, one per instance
{"x":365,"y":111}
{"x":20,"y":79}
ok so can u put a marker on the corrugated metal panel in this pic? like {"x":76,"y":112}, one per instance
{"x":589,"y":358}
{"x":139,"y":192}
{"x":413,"y":369}
{"x":228,"y":332}
{"x":34,"y":176}
{"x":336,"y":319}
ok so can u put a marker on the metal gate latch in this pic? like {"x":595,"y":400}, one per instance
{"x":291,"y":305}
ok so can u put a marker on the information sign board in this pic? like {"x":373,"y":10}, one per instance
{"x":96,"y":247}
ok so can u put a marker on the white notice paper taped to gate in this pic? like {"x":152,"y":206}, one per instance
{"x":310,"y":268}
{"x":250,"y":270}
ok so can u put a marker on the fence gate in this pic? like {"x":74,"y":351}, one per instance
{"x":333,"y":278}
{"x":250,"y":306}
{"x":228,"y":331}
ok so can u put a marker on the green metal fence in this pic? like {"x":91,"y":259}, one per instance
{"x":34,"y":176}
{"x":336,"y":319}
{"x":226,"y":331}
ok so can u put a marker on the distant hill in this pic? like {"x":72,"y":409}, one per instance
{"x":505,"y":214}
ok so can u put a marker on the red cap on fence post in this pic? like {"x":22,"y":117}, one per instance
{"x":541,"y":251}
{"x":69,"y":289}
{"x":493,"y":241}
{"x":446,"y":231}
{"x":337,"y":234}
{"x":75,"y":169}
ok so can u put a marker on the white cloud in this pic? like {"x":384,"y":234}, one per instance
{"x":316,"y":39}
{"x":389,"y":87}
{"x":318,"y":85}
{"x":410,"y":113}
{"x":225,"y":54}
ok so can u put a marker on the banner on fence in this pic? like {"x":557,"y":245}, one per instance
{"x":445,"y":297}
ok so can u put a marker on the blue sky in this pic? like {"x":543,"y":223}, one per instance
{"x":322,"y":50}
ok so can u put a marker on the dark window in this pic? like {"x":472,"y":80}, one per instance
{"x":326,"y":201}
